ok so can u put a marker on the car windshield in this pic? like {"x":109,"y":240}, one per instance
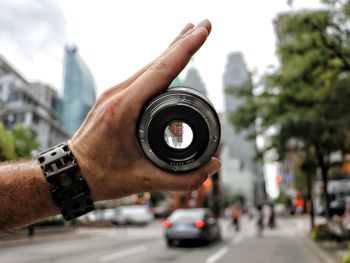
{"x":187,"y":215}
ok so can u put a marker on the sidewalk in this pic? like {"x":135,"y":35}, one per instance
{"x":46,"y":235}
{"x":40,"y":233}
{"x":328,"y":251}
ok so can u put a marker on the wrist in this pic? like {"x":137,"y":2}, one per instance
{"x":68,"y":188}
{"x":87,"y":169}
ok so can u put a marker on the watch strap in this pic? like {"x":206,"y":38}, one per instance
{"x":69,"y":189}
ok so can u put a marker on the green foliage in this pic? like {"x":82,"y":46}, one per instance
{"x":246,"y":114}
{"x":346,"y":258}
{"x":24,"y":141}
{"x":17,"y":143}
{"x":7,"y":147}
{"x":283,"y":198}
{"x":320,"y":232}
{"x":307,"y":98}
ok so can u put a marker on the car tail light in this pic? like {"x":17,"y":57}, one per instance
{"x":166,"y":224}
{"x":199,"y":224}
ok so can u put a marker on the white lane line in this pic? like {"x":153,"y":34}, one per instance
{"x":215,"y":257}
{"x":238,"y":239}
{"x":123,"y":253}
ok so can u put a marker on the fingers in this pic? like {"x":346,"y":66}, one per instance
{"x":185,"y":182}
{"x":108,"y":93}
{"x":182,"y":32}
{"x":158,"y":76}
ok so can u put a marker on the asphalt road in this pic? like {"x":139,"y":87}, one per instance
{"x":146,"y":244}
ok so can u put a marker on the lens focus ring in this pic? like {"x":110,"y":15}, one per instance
{"x":179,"y":130}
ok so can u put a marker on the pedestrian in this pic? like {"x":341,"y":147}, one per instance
{"x":260,"y":219}
{"x":272,"y":217}
{"x":30,"y":230}
{"x":236,"y":214}
{"x":103,"y":157}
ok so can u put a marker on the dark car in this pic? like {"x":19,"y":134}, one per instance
{"x":191,"y":224}
{"x":337,"y":206}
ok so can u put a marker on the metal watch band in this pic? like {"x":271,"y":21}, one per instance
{"x":69,"y":189}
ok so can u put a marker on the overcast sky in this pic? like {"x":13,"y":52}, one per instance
{"x":116,"y":38}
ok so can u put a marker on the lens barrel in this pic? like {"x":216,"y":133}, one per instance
{"x":179,"y":130}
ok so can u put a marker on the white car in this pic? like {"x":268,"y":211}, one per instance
{"x":134,"y":214}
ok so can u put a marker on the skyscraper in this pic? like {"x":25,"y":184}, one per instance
{"x":194,"y":80}
{"x":238,"y":170}
{"x":79,"y":93}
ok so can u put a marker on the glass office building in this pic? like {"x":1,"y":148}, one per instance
{"x":79,"y":93}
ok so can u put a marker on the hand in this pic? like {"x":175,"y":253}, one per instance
{"x":106,"y":145}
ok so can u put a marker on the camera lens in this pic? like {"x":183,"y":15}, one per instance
{"x":178,"y":135}
{"x":179,"y":130}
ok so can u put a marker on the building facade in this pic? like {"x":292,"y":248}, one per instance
{"x":79,"y":93}
{"x":200,"y":197}
{"x":239,"y":172}
{"x":194,"y":80}
{"x":31,"y":104}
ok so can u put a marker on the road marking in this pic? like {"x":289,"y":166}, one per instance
{"x":123,"y":253}
{"x":238,"y":239}
{"x":217,"y":255}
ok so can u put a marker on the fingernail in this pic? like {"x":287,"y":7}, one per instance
{"x":200,"y":24}
{"x":199,"y":30}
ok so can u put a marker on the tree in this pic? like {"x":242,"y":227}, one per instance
{"x":307,"y":98}
{"x":24,"y":141}
{"x":16,"y":144}
{"x":7,"y":149}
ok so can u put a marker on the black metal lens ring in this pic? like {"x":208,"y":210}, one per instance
{"x":187,"y":115}
{"x":191,"y":107}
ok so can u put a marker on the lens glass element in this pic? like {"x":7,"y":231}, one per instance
{"x":178,"y":135}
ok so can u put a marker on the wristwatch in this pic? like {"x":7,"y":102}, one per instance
{"x":68,"y":187}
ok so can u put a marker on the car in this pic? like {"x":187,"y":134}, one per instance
{"x":98,"y":217}
{"x":338,"y":205}
{"x":191,"y":224}
{"x":133,"y":214}
{"x":281,"y":210}
{"x":162,"y":210}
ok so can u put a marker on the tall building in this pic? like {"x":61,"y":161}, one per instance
{"x":194,"y":80}
{"x":31,"y":104}
{"x":201,"y":196}
{"x":239,"y":172}
{"x":79,"y":93}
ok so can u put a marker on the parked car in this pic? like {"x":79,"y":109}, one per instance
{"x":134,"y":214}
{"x":337,"y":206}
{"x":281,"y":210}
{"x":98,"y":217}
{"x":162,"y":211}
{"x":191,"y":224}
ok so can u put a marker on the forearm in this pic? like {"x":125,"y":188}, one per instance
{"x":24,"y":195}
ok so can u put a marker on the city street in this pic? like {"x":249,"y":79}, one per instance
{"x":146,"y":244}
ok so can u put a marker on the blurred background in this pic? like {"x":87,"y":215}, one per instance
{"x":278,"y":74}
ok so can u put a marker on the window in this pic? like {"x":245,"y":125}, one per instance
{"x":36,"y":118}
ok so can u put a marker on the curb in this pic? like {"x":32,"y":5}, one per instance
{"x":324,"y":256}
{"x":303,"y":231}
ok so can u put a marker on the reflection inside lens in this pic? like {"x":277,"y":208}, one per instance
{"x":178,"y":135}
